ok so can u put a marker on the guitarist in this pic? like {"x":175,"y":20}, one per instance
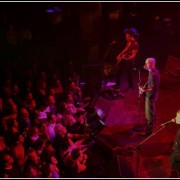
{"x":126,"y":59}
{"x":150,"y":89}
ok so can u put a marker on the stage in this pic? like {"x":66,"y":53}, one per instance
{"x":124,"y":120}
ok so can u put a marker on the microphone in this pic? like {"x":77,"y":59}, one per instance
{"x":168,"y":122}
{"x":113,"y":42}
{"x":138,"y":68}
{"x":176,"y":119}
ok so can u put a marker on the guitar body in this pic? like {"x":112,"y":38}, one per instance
{"x":128,"y":52}
{"x":124,"y":56}
{"x":143,"y":94}
{"x":108,"y":69}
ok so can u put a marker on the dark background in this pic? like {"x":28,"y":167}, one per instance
{"x":83,"y":32}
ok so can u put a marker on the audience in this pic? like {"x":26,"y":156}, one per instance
{"x":43,"y":128}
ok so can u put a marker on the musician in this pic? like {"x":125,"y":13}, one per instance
{"x":175,"y":154}
{"x":150,"y":90}
{"x":126,"y":58}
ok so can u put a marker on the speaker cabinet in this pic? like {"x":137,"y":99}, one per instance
{"x":173,"y":66}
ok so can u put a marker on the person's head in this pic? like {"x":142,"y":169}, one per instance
{"x":34,"y":131}
{"x":58,"y":82}
{"x":11,"y":101}
{"x":72,"y":85}
{"x":18,"y":138}
{"x":52,"y":92}
{"x":13,"y":125}
{"x":43,"y":75}
{"x":70,"y":97}
{"x":15,"y":88}
{"x":29,"y":84}
{"x":60,"y":129}
{"x":49,"y":149}
{"x":150,"y":63}
{"x":8,"y":159}
{"x":32,"y":171}
{"x":52,"y":118}
{"x":24,"y":113}
{"x":29,"y":96}
{"x":69,"y":120}
{"x":51,"y":99}
{"x":33,"y":156}
{"x":53,"y":159}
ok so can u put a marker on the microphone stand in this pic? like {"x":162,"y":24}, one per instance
{"x":138,"y":147}
{"x":139,"y":95}
{"x":104,"y":57}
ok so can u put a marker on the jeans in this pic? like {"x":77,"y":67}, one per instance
{"x":150,"y":113}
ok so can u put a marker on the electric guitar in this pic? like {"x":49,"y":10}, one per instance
{"x":142,"y":92}
{"x":109,"y":68}
{"x":124,"y":56}
{"x":126,"y":53}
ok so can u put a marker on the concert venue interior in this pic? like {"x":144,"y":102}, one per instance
{"x":48,"y":51}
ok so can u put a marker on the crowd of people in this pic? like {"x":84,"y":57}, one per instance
{"x":44,"y":129}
